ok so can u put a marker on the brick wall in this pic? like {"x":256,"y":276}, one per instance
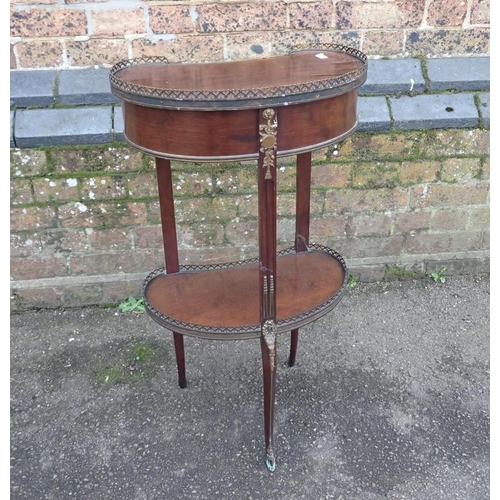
{"x":87,"y":33}
{"x":85,"y":221}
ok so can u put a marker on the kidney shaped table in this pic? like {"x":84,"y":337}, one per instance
{"x":254,"y":109}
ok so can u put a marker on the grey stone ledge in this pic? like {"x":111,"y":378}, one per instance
{"x":62,"y":127}
{"x":434,"y":111}
{"x":392,"y":76}
{"x":373,"y":114}
{"x":85,"y":86}
{"x":40,"y":88}
{"x":467,"y":73}
{"x":32,"y":88}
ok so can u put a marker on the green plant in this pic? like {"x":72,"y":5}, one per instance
{"x":351,"y":282}
{"x":439,"y":275}
{"x":132,"y":305}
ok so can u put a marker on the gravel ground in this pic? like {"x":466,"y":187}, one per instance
{"x":389,"y":399}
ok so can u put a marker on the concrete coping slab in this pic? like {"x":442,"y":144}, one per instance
{"x":434,"y":111}
{"x":373,"y":114}
{"x":61,"y":127}
{"x":393,"y":75}
{"x":466,"y":73}
{"x":32,"y":88}
{"x":85,"y":86}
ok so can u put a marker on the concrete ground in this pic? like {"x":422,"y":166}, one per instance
{"x":389,"y":399}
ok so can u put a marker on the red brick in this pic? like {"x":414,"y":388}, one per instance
{"x":351,"y":248}
{"x":229,"y":17}
{"x":323,"y":228}
{"x":183,"y":48}
{"x":460,"y":169}
{"x":310,"y":15}
{"x":207,"y":256}
{"x":380,"y":146}
{"x":40,"y":53}
{"x":234,"y":181}
{"x":446,"y":219}
{"x":203,"y":209}
{"x":148,"y":237}
{"x":332,"y":175}
{"x":118,"y":22}
{"x":389,"y":43}
{"x":37,"y":2}
{"x":187,"y":183}
{"x":81,"y":215}
{"x":357,"y":200}
{"x":363,"y":15}
{"x":110,"y":239}
{"x":115,"y":262}
{"x":103,"y":188}
{"x":376,"y":174}
{"x":456,"y":142}
{"x":56,"y":241}
{"x":197,"y":235}
{"x":20,"y":192}
{"x":96,"y":52}
{"x":248,"y":206}
{"x":248,"y":45}
{"x":241,"y":233}
{"x":25,"y":244}
{"x":96,"y":159}
{"x":480,"y":12}
{"x":141,"y":185}
{"x":114,"y":292}
{"x":43,"y":23}
{"x":377,"y":224}
{"x":442,"y":195}
{"x":407,"y":222}
{"x":82,"y":295}
{"x":29,"y":218}
{"x":27,"y":162}
{"x":55,"y":189}
{"x":443,"y":242}
{"x":485,"y":171}
{"x":285,"y":230}
{"x":286,"y":204}
{"x":478,"y":218}
{"x":169,"y":19}
{"x":49,"y":297}
{"x":37,"y":267}
{"x":413,"y":172}
{"x":448,"y":42}
{"x":446,"y":13}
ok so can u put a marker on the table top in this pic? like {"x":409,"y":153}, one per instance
{"x":302,"y":75}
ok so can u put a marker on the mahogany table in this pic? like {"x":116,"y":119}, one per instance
{"x":254,"y":109}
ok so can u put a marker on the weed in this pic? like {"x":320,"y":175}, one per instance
{"x":132,"y":305}
{"x":351,"y":282}
{"x":439,"y":275}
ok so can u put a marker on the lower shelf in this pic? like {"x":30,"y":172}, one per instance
{"x":222,"y":301}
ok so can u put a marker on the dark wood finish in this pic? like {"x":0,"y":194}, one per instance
{"x":230,"y":297}
{"x":293,"y":69}
{"x":228,"y":111}
{"x":302,"y":222}
{"x":225,"y":135}
{"x":167,"y":214}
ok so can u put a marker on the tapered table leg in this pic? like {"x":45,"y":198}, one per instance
{"x":164,"y":177}
{"x":268,"y":125}
{"x":268,"y":348}
{"x":294,"y":340}
{"x":302,"y":222}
